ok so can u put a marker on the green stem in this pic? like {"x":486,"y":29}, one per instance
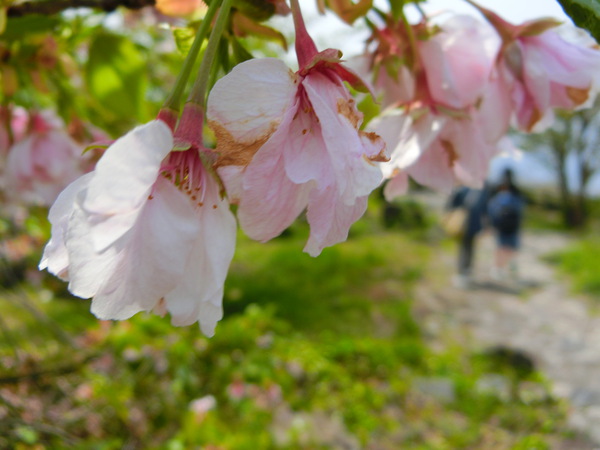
{"x":173,"y":102}
{"x":414,"y":56}
{"x":421,"y":11}
{"x":198,"y":92}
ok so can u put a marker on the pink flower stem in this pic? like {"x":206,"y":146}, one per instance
{"x":173,"y":102}
{"x":198,"y":92}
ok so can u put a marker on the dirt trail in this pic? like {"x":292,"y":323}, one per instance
{"x":541,"y":318}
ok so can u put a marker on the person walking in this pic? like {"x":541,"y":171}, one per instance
{"x":474,"y":201}
{"x":505,"y":210}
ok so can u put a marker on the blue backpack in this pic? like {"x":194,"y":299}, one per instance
{"x":505,"y":212}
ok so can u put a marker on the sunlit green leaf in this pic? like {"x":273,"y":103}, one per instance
{"x":184,"y":38}
{"x":116,"y":76}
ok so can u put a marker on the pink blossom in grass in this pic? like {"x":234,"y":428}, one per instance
{"x":291,"y":141}
{"x":147,"y":230}
{"x":42,"y":162}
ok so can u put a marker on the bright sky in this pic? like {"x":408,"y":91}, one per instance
{"x":328,"y":31}
{"x":512,"y":10}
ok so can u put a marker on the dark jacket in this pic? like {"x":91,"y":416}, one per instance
{"x":475,"y":202}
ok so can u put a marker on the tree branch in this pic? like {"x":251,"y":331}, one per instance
{"x":56,"y":6}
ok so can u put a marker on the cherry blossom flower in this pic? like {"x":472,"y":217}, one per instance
{"x":549,"y":72}
{"x":543,"y":70}
{"x":445,"y":134}
{"x":291,"y":141}
{"x":42,"y":162}
{"x":147,"y":230}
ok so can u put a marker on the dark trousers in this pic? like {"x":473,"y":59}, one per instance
{"x":465,"y":254}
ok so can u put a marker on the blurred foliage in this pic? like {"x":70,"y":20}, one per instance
{"x":113,"y":70}
{"x":312,"y":353}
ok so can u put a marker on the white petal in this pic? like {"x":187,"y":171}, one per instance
{"x":55,"y":257}
{"x":88,"y":269}
{"x":199,"y":294}
{"x":250,"y":101}
{"x":152,"y":257}
{"x":126,"y":172}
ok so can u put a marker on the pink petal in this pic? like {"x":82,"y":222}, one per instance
{"x":355,"y":175}
{"x":330,"y":219}
{"x":496,"y":109}
{"x":406,"y":138}
{"x":433,"y":169}
{"x":458,"y":60}
{"x":565,"y":62}
{"x":232,"y":177}
{"x":473,"y":152}
{"x":396,"y":186}
{"x":304,"y":151}
{"x":271,"y":201}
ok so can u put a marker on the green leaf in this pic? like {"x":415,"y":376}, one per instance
{"x":240,"y":54}
{"x":19,"y":27}
{"x":585,"y":14}
{"x":116,"y":77}
{"x":184,"y":38}
{"x":370,"y":109}
{"x":257,"y":10}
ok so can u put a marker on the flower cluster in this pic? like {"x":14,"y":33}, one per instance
{"x":453,"y":89}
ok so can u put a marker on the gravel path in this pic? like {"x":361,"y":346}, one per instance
{"x":540,"y":317}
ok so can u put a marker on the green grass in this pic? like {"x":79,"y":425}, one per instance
{"x":307,"y":344}
{"x":580,"y":263}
